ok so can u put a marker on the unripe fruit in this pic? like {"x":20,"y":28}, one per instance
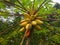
{"x":28,"y":26}
{"x":26,"y":15}
{"x":22,"y":29}
{"x":22,"y":21}
{"x":23,"y":24}
{"x":34,"y":23}
{"x":39,"y":21}
{"x":37,"y":27}
{"x":27,"y":19}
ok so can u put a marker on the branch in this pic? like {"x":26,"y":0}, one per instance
{"x":39,"y":7}
{"x":10,"y":3}
{"x":46,"y":3}
{"x":27,"y":41}
{"x":33,"y":4}
{"x":21,"y":5}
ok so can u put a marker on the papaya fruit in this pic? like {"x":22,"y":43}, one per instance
{"x":38,"y":27}
{"x":28,"y":26}
{"x":33,"y":23}
{"x":27,"y":33}
{"x":24,"y":24}
{"x":39,"y":21}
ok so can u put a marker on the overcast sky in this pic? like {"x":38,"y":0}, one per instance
{"x":56,"y":1}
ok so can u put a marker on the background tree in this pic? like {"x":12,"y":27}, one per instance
{"x":57,"y":6}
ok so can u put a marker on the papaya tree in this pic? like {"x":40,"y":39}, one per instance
{"x":36,"y":23}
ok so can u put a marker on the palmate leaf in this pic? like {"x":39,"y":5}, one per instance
{"x":46,"y":8}
{"x":37,"y":3}
{"x":25,"y":2}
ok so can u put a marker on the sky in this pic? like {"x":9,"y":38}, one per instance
{"x":56,"y":1}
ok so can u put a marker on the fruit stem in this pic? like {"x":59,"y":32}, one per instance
{"x":27,"y":41}
{"x":23,"y":38}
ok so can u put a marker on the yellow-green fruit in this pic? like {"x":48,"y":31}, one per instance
{"x":22,"y":29}
{"x":28,"y":26}
{"x":39,"y":21}
{"x":24,"y":24}
{"x":37,"y":27}
{"x":22,"y":21}
{"x":27,"y":19}
{"x":34,"y":23}
{"x":26,"y":15}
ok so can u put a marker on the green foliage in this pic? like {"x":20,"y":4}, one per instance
{"x":48,"y":35}
{"x":2,"y":5}
{"x":56,"y":38}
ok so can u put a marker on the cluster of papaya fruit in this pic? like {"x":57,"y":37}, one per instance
{"x":30,"y":21}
